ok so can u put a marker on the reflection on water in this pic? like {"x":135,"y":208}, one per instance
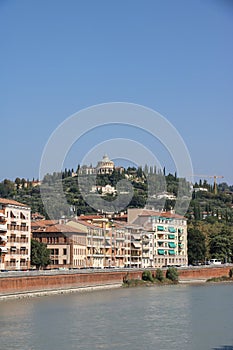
{"x":168,"y":317}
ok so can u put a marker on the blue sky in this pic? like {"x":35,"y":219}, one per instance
{"x":58,"y":57}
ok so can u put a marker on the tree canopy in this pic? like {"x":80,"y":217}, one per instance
{"x":40,"y":254}
{"x":196,"y":246}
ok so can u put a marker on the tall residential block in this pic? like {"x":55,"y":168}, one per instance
{"x":15,"y":235}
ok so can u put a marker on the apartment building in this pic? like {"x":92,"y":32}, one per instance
{"x":15,"y":235}
{"x":165,"y":243}
{"x":99,"y":243}
{"x":67,"y":244}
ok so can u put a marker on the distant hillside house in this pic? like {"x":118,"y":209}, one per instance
{"x":108,"y":189}
{"x":166,"y":195}
{"x":197,"y":189}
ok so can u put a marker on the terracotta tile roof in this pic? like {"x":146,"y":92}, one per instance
{"x":12,"y":202}
{"x":90,"y":217}
{"x":121,"y":216}
{"x":166,"y":214}
{"x":84,"y":223}
{"x":44,"y":223}
{"x":59,"y":228}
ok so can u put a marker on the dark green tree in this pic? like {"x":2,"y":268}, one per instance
{"x":17,"y":182}
{"x":147,"y":276}
{"x":196,"y":246}
{"x":159,"y":275}
{"x":221,"y":247}
{"x":172,"y":274}
{"x":40,"y":254}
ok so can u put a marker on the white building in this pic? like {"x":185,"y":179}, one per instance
{"x":165,"y":241}
{"x":104,"y":166}
{"x":15,"y":235}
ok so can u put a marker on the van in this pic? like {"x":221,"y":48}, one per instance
{"x":215,"y":262}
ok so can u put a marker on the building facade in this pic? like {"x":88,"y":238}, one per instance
{"x":104,"y":166}
{"x":15,"y":235}
{"x":67,"y":244}
{"x":165,"y":241}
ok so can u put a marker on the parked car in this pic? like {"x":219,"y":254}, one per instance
{"x":214,"y":262}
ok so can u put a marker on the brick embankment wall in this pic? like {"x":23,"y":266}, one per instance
{"x":17,"y":284}
{"x":46,"y":282}
{"x":204,"y":273}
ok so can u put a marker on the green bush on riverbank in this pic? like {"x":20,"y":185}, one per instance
{"x":219,"y":279}
{"x":149,"y":279}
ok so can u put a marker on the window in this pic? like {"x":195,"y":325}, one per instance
{"x":64,"y":251}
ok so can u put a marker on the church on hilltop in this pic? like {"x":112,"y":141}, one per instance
{"x":104,"y":166}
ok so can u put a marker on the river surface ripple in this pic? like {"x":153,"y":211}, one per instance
{"x":182,"y":317}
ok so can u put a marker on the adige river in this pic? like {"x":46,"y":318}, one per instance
{"x":181,"y":317}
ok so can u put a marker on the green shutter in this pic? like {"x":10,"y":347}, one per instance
{"x":171,"y":236}
{"x":171,"y":252}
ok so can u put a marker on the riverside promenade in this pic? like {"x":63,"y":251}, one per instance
{"x":19,"y":284}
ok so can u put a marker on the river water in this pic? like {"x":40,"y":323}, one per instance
{"x":182,"y":317}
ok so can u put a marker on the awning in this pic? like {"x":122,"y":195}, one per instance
{"x":161,"y":252}
{"x":136,"y":236}
{"x":171,"y":236}
{"x":136,"y":244}
{"x":107,"y":243}
{"x":13,"y":213}
{"x":3,"y":238}
{"x":171,"y":229}
{"x":171,"y":252}
{"x":172,"y":245}
{"x":4,"y":249}
{"x":160,"y":228}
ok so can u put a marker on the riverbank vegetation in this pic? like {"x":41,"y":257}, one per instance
{"x":150,"y":279}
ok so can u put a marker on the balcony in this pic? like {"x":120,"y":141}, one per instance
{"x":98,"y":255}
{"x":3,"y":227}
{"x":3,"y":239}
{"x":120,"y":238}
{"x":4,"y":250}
